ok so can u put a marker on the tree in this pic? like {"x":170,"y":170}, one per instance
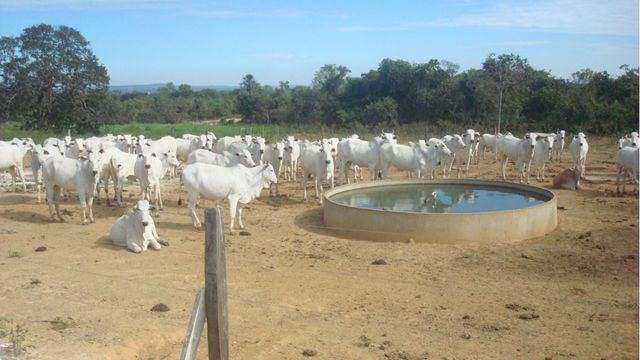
{"x":52,"y":80}
{"x":506,"y":70}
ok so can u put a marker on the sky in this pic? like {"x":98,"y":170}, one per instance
{"x":208,"y":42}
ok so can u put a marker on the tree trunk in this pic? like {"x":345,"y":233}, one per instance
{"x":500,"y":110}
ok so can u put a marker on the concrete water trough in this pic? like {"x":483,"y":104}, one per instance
{"x":440,"y":211}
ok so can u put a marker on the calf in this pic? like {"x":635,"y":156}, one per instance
{"x":71,"y":174}
{"x":136,"y":229}
{"x":567,"y":179}
{"x":579,"y":149}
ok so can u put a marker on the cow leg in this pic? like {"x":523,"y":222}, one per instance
{"x":193,"y":198}
{"x":56,"y":200}
{"x":504,"y":168}
{"x":90,"y":205}
{"x":83,"y":204}
{"x":233,"y":204}
{"x":618,"y":179}
{"x":345,"y":170}
{"x":239,"y":211}
{"x":49,"y":193}
{"x":158,"y":194}
{"x":119,"y":185}
{"x":106,"y":190}
{"x":304,"y":186}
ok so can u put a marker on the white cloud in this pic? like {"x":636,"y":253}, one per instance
{"x":611,"y":17}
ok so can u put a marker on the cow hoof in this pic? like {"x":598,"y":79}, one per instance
{"x":163,"y":242}
{"x":93,"y":221}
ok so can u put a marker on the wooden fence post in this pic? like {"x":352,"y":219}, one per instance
{"x":195,"y":327}
{"x":215,"y":289}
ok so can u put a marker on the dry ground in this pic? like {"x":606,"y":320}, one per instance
{"x":294,"y":286}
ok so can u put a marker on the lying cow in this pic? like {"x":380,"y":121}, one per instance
{"x":567,"y":179}
{"x":136,"y":229}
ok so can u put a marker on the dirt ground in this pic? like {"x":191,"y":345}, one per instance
{"x":295,"y":287}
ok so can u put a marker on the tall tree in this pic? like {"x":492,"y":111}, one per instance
{"x":51,"y":79}
{"x":506,"y":70}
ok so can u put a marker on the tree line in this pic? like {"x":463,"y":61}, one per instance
{"x":50,"y":79}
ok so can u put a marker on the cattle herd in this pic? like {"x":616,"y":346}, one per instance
{"x":237,"y":168}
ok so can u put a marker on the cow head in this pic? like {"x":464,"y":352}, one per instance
{"x":147,"y":157}
{"x":89,"y":163}
{"x":245,"y":158}
{"x":141,"y":214}
{"x":268,"y":174}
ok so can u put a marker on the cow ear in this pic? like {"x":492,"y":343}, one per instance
{"x":46,"y":152}
{"x":538,"y":138}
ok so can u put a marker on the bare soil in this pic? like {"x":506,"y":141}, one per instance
{"x":298,"y":290}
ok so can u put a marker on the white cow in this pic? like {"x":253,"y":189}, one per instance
{"x":434,"y":151}
{"x":11,"y":158}
{"x":459,"y":150}
{"x":401,"y":157}
{"x":520,"y":151}
{"x":38,"y":156}
{"x":238,"y":184}
{"x":579,"y":149}
{"x":136,"y":229}
{"x":358,"y":152}
{"x":558,"y":144}
{"x":470,"y":138}
{"x":148,"y":169}
{"x":274,"y":154}
{"x":291,"y":155}
{"x":105,"y":172}
{"x":317,"y":161}
{"x":123,"y":167}
{"x":71,"y":174}
{"x":223,"y":143}
{"x":542,"y":154}
{"x":628,"y":140}
{"x":487,"y":141}
{"x":225,"y":159}
{"x":184,"y":147}
{"x":170,"y":164}
{"x":627,"y":163}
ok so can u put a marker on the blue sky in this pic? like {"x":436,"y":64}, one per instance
{"x":202,"y":42}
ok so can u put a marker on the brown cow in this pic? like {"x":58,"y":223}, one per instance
{"x":567,"y":179}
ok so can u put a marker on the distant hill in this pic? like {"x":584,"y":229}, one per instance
{"x":151,"y":88}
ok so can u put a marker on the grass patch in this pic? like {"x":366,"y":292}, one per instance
{"x":14,"y":254}
{"x":15,"y":334}
{"x":58,"y":324}
{"x":35,"y":282}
